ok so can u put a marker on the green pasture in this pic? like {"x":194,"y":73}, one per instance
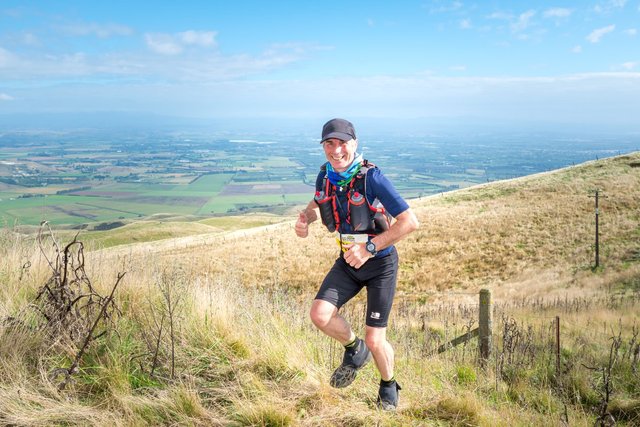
{"x":7,"y":154}
{"x":66,"y":209}
{"x":277,"y":162}
{"x":226,"y":204}
{"x":202,"y":197}
{"x":138,"y":209}
{"x":58,"y":210}
{"x":279,"y":180}
{"x":63,"y":175}
{"x":310,"y":177}
{"x":137,"y":200}
{"x":199,"y":188}
{"x":144,"y":231}
{"x":478,"y":172}
{"x":5,"y":196}
{"x":414,"y":192}
{"x":133,"y":187}
{"x":209,"y":183}
{"x":422,"y":177}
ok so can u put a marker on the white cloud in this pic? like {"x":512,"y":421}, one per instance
{"x":439,"y":7}
{"x":577,"y":49}
{"x":163,"y":44}
{"x":597,"y":34}
{"x":174,"y":44}
{"x":5,"y":97}
{"x":102,"y":31}
{"x":518,"y":24}
{"x":198,"y":38}
{"x":609,"y":6}
{"x":523,"y":21}
{"x":501,"y":16}
{"x":458,"y":68}
{"x":465,"y":24}
{"x":631,"y":32}
{"x":30,"y":39}
{"x":631,"y":65}
{"x":557,"y":12}
{"x":6,"y":58}
{"x":114,"y":68}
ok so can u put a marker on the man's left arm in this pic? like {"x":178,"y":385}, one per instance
{"x":405,"y":223}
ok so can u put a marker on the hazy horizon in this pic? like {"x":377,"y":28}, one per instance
{"x":117,"y":121}
{"x":444,"y":64}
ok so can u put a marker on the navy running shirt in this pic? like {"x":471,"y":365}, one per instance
{"x":378,"y":187}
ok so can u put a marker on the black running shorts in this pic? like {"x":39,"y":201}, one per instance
{"x":379,"y":275}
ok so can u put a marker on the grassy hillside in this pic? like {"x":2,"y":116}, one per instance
{"x":161,"y":228}
{"x":212,"y":329}
{"x":502,"y":235}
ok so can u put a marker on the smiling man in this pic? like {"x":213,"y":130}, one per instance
{"x":360,"y":205}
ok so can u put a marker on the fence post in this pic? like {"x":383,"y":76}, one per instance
{"x":486,"y":323}
{"x":557,"y":325}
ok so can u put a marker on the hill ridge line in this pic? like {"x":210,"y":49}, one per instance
{"x":206,"y":239}
{"x":188,"y":241}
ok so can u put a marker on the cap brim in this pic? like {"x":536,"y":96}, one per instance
{"x":340,"y":135}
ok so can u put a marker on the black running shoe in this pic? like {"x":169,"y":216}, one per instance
{"x":388,"y":396}
{"x":352,"y":361}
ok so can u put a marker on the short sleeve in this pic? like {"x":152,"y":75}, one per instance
{"x":379,"y":187}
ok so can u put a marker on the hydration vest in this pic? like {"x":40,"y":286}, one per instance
{"x":364,"y":217}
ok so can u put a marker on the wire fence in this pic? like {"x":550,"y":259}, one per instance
{"x":551,"y":335}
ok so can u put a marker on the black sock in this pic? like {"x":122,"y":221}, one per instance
{"x":352,"y":343}
{"x":388,"y":383}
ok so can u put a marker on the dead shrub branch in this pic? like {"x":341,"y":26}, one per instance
{"x":70,"y":305}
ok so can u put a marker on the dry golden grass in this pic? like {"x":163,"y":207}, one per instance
{"x":526,"y":236}
{"x":503,"y":235}
{"x":246,"y":353}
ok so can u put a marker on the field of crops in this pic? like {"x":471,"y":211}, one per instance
{"x":84,"y":180}
{"x":205,"y":196}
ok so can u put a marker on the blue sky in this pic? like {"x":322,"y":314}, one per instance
{"x":538,"y":62}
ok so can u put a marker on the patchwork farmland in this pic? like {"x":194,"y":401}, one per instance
{"x":84,"y":179}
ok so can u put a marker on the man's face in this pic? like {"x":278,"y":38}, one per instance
{"x":340,"y":153}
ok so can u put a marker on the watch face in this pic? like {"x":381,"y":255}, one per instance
{"x":371,"y":247}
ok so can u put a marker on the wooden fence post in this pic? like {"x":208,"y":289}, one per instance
{"x":486,"y":324}
{"x":557,"y":325}
{"x":483,"y":331}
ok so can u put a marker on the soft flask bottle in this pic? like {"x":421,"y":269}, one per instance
{"x":326,"y":210}
{"x":359,"y":212}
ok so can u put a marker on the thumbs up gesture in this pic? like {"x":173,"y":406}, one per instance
{"x":302,"y":225}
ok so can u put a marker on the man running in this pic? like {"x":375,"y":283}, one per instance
{"x":357,"y":202}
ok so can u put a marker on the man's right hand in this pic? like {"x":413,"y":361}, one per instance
{"x":302,"y":225}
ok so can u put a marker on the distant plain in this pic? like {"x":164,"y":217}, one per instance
{"x":97,"y":180}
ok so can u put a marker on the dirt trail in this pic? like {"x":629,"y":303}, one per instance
{"x":208,"y":239}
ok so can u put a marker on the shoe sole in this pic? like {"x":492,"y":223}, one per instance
{"x":386,"y":406}
{"x":344,"y":375}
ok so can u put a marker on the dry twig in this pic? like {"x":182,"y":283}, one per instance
{"x":69,"y":303}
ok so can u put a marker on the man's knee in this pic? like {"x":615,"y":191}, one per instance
{"x":318,"y":318}
{"x":375,"y":338}
{"x":321,"y":313}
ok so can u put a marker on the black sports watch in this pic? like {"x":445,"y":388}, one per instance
{"x":371,"y":247}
